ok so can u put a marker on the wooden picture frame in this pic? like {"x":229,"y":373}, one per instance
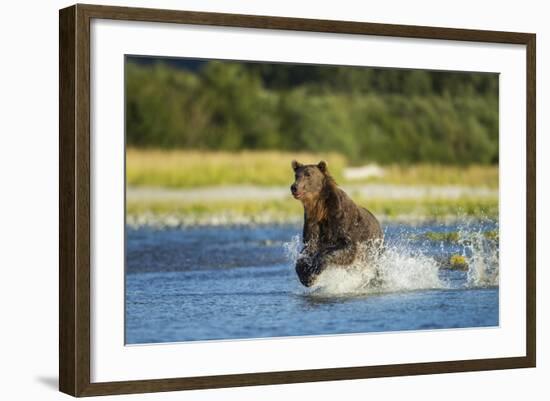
{"x":74,"y":200}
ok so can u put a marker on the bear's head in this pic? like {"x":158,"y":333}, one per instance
{"x":309,"y":180}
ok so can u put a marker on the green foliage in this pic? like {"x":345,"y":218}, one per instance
{"x":366,"y":114}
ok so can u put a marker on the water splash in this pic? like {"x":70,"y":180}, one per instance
{"x":409,"y":264}
{"x":292,"y":248}
{"x":482,"y":256}
{"x":396,"y":269}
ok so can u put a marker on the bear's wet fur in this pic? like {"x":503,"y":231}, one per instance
{"x":334,"y":226}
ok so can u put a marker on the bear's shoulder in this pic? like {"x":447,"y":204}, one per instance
{"x":340,"y":204}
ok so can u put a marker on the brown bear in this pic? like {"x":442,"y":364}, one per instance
{"x":334,"y":226}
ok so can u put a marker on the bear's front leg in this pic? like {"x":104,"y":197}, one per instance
{"x":340,"y":255}
{"x":306,"y":270}
{"x":309,"y":268}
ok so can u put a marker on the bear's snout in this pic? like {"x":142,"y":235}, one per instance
{"x":295,"y":192}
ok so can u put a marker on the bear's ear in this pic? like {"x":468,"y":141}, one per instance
{"x":322,"y":165}
{"x":296,"y":165}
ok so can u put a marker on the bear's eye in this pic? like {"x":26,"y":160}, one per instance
{"x":306,"y":173}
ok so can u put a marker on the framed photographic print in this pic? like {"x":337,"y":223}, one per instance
{"x":250,"y":200}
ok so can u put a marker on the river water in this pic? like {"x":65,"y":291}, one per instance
{"x":227,"y":282}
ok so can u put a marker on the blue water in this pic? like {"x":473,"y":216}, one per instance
{"x":215,"y":283}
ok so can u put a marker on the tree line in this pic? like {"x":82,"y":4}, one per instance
{"x":366,"y":114}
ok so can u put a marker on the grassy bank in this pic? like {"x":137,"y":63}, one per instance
{"x":279,"y":211}
{"x":187,"y":169}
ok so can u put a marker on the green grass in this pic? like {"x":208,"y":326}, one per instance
{"x":439,"y":175}
{"x":452,"y":236}
{"x":491,"y":235}
{"x":458,"y":262}
{"x":188,"y":169}
{"x":284,"y":210}
{"x":192,"y":169}
{"x":434,"y":208}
